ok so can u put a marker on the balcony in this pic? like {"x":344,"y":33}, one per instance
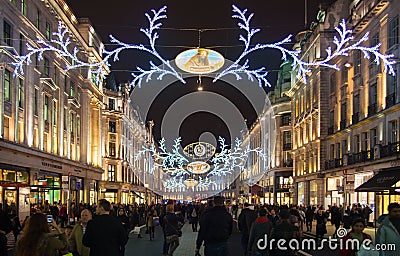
{"x":355,"y":117}
{"x":342,"y":124}
{"x":390,"y":149}
{"x":287,"y":146}
{"x":390,"y":100}
{"x":372,"y":109}
{"x":360,"y":157}
{"x":333,"y":163}
{"x":330,"y":130}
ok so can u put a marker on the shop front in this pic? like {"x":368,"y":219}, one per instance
{"x":313,"y":188}
{"x":46,"y":187}
{"x":300,"y":193}
{"x":334,"y":191}
{"x":14,"y":184}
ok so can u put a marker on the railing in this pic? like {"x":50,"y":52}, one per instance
{"x":390,"y":149}
{"x":360,"y":157}
{"x":372,"y":109}
{"x":333,"y":163}
{"x":342,"y":124}
{"x":355,"y":117}
{"x":390,"y":100}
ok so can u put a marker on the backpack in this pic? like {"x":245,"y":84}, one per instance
{"x":194,"y":213}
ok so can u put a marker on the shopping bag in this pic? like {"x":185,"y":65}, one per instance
{"x":136,"y":230}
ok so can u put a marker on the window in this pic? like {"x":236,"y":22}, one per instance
{"x":20,"y":93}
{"x":332,"y":151}
{"x":333,"y":83}
{"x":7,"y":33}
{"x":21,"y":44}
{"x":111,"y":104}
{"x":46,"y":110}
{"x":393,"y":132}
{"x":344,"y":148}
{"x":287,"y":140}
{"x":372,"y":138}
{"x":7,"y":85}
{"x":337,"y":156}
{"x":111,"y":148}
{"x":391,"y":90}
{"x":345,"y":73}
{"x":36,"y":60}
{"x":72,"y":89}
{"x":357,"y":147}
{"x":286,"y":118}
{"x":66,"y":84}
{"x":356,"y":104}
{"x":23,"y":7}
{"x":331,"y":118}
{"x":78,"y":127}
{"x":46,"y":66}
{"x":38,"y":18}
{"x":72,"y":127}
{"x":357,"y":62}
{"x":364,"y":141}
{"x":111,"y":172}
{"x":65,"y":119}
{"x":48,"y":31}
{"x":55,"y":75}
{"x":393,"y":31}
{"x":54,"y":112}
{"x":343,"y":112}
{"x":35,"y":106}
{"x":112,"y":126}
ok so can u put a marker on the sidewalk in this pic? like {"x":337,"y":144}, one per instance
{"x":331,"y":230}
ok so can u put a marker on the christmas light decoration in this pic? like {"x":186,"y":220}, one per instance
{"x":183,"y":172}
{"x":61,"y":46}
{"x":344,"y":45}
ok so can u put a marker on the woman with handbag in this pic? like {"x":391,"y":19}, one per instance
{"x":171,"y":229}
{"x":151,"y":215}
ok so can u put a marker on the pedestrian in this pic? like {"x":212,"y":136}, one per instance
{"x":104,"y":235}
{"x":366,"y":212}
{"x":151,"y":215}
{"x":336,"y":217}
{"x":389,"y":230}
{"x":123,"y":218}
{"x":246,"y":219}
{"x":194,"y":218}
{"x":309,"y":218}
{"x":261,"y":227}
{"x":349,"y":248}
{"x":63,"y":215}
{"x":321,"y":219}
{"x":283,"y":232}
{"x":171,"y":229}
{"x":75,"y":244}
{"x":215,"y":229}
{"x":5,"y":228}
{"x":273,"y":217}
{"x":36,"y":238}
{"x":16,"y":227}
{"x":135,"y":220}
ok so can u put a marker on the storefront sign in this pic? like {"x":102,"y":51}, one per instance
{"x":50,"y":165}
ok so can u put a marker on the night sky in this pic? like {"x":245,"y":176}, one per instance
{"x":123,"y":19}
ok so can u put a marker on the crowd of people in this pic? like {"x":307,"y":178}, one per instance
{"x":104,"y":228}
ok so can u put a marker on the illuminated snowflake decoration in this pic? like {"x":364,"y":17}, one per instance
{"x":61,"y":45}
{"x":174,"y":164}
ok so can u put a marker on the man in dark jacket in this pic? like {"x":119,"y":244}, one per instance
{"x":246,"y":219}
{"x":5,"y":228}
{"x":261,"y":227}
{"x":286,"y":231}
{"x":171,"y":228}
{"x":215,"y":229}
{"x":105,"y":235}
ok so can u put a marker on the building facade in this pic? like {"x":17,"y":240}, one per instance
{"x":346,"y":122}
{"x":363,"y":133}
{"x":50,"y":119}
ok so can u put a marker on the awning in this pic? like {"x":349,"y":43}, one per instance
{"x":381,"y":182}
{"x":138,"y":195}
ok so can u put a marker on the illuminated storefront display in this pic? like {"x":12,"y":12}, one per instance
{"x":313,"y":192}
{"x":46,"y":186}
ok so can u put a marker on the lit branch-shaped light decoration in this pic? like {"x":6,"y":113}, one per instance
{"x":61,"y":46}
{"x":227,"y":162}
{"x":230,"y":160}
{"x":344,"y":46}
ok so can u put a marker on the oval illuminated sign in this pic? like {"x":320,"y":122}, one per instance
{"x":199,"y":61}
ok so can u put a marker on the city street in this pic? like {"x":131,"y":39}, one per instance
{"x":143,"y":246}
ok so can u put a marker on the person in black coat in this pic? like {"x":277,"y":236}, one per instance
{"x":336,"y":218}
{"x":170,"y":224}
{"x":5,"y":228}
{"x":273,"y":217}
{"x":105,"y":235}
{"x":194,"y":217}
{"x":309,"y":218}
{"x":246,"y":219}
{"x":321,"y":219}
{"x":215,"y":229}
{"x":135,"y":219}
